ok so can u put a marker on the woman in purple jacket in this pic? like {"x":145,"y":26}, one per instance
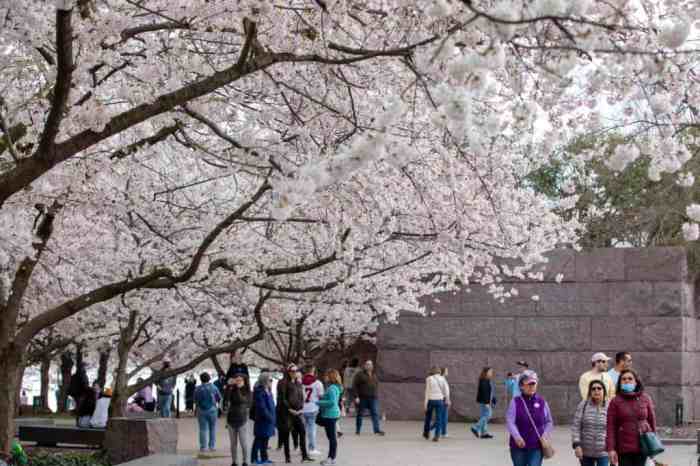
{"x":528,"y":420}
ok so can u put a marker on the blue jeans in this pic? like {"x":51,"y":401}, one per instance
{"x":525,"y":457}
{"x":372,"y":405}
{"x":310,"y":424}
{"x":259,"y":452}
{"x":437,"y":407}
{"x":207,"y":427}
{"x":588,"y":461}
{"x":164,"y":405}
{"x":484,"y":417}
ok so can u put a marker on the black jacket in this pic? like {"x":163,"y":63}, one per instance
{"x":365,"y":385}
{"x":485,"y":393}
{"x":239,"y":400}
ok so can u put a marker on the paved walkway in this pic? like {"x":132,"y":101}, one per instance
{"x":403,"y":446}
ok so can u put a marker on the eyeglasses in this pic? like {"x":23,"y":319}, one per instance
{"x":596,"y":389}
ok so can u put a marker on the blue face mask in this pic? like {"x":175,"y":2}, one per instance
{"x":628,"y":387}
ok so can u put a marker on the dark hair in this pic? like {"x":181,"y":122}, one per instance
{"x":619,"y":357}
{"x":597,"y":382}
{"x":354,"y":362}
{"x":484,"y":372}
{"x":204,"y":377}
{"x":309,"y":368}
{"x":640,"y":386}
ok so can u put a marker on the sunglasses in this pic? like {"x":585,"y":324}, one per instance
{"x":531,"y":383}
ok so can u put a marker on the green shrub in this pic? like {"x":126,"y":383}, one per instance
{"x":69,"y":459}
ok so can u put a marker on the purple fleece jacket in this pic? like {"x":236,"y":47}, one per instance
{"x":519,"y":424}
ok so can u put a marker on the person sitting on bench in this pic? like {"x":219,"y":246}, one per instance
{"x":101,"y":415}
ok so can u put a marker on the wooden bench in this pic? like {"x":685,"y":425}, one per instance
{"x":50,"y":436}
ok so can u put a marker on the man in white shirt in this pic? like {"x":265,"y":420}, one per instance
{"x":436,"y":395}
{"x":313,"y":391}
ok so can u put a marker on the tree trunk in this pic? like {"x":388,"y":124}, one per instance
{"x":217,"y":365}
{"x":78,"y":356}
{"x":66,"y":368}
{"x":18,"y":391}
{"x":102,"y":368}
{"x":10,"y":367}
{"x":45,"y":373}
{"x":120,"y":396}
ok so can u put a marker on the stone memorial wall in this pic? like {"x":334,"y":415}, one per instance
{"x":636,"y":300}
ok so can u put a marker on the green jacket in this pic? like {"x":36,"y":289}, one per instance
{"x":329,"y":403}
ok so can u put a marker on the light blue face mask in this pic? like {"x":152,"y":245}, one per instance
{"x":628,"y":387}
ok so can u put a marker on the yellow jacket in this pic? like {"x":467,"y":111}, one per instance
{"x":586,"y":379}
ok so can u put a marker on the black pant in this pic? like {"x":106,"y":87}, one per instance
{"x":295,"y":426}
{"x":632,"y":459}
{"x":331,"y":433}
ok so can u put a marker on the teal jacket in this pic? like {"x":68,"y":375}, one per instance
{"x":329,"y":403}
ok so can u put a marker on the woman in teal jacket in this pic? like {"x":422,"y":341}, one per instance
{"x":330,"y":412}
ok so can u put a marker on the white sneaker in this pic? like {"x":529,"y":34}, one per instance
{"x":327,"y":462}
{"x":314,"y":453}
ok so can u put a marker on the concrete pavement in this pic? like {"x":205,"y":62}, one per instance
{"x":404,"y":446}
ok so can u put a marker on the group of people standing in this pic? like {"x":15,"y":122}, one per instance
{"x":607,"y":426}
{"x":303,"y":402}
{"x":613,"y":415}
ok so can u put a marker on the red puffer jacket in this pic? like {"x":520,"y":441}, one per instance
{"x":628,"y":415}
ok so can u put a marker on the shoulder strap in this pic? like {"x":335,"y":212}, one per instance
{"x":532,"y":421}
{"x":583,"y":414}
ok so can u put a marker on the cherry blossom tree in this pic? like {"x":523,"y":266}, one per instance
{"x":351,"y":155}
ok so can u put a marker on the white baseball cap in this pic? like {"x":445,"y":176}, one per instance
{"x":600,"y":357}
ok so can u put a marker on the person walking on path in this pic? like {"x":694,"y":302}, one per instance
{"x":588,"y":429}
{"x":313,"y":391}
{"x":290,"y":410}
{"x":239,"y":399}
{"x":630,"y":413}
{"x":348,"y":378}
{"x":365,"y":387}
{"x":206,"y":399}
{"x":486,"y":397}
{"x":165,"y":386}
{"x":529,"y":422}
{"x":599,"y":371}
{"x":436,"y":394}
{"x":265,"y":419}
{"x":330,"y":412}
{"x":623,"y":360}
{"x":444,"y":417}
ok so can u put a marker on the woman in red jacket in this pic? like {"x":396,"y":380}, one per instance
{"x":629,"y":413}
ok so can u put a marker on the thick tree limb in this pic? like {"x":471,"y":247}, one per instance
{"x":236,"y":345}
{"x":159,"y":278}
{"x":64,"y":77}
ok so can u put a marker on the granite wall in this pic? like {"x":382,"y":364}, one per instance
{"x":637,"y":300}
